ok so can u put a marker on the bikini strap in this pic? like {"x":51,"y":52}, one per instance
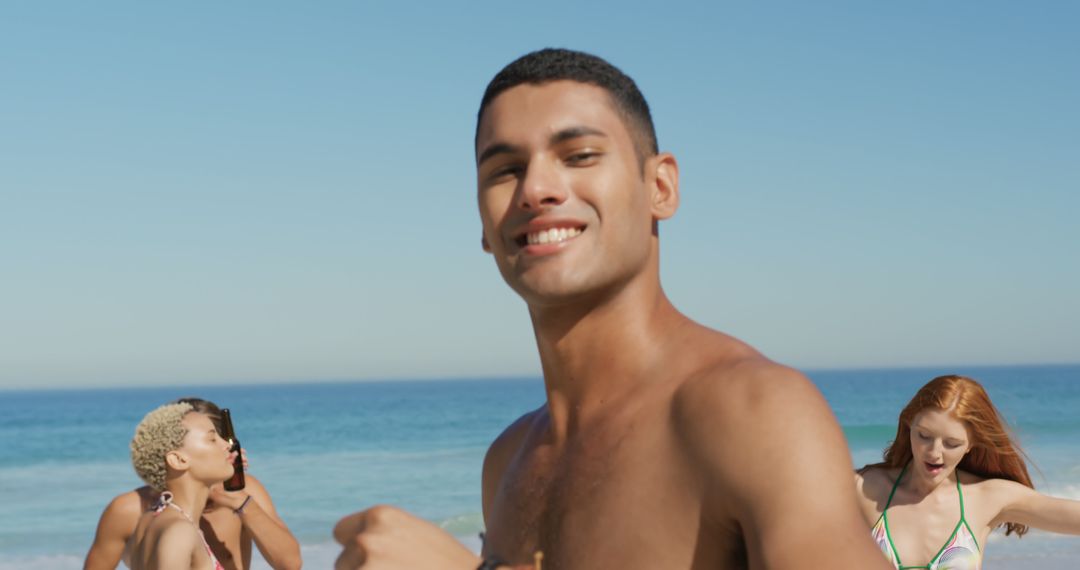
{"x":961,"y":493}
{"x":163,"y":502}
{"x":897,"y":484}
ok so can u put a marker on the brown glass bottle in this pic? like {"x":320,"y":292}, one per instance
{"x":236,"y":482}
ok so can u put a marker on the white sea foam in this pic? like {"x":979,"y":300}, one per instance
{"x":315,"y":556}
{"x":1063,"y":491}
{"x":470,"y":524}
{"x":323,"y":555}
{"x":320,"y":555}
{"x":44,"y":562}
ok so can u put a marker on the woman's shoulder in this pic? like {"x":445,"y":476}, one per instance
{"x":988,"y":484}
{"x":165,"y":529}
{"x":164,"y":537}
{"x":169,"y":525}
{"x":969,"y":478}
{"x":992,"y":495}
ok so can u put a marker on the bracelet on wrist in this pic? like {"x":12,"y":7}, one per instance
{"x":240,"y":510}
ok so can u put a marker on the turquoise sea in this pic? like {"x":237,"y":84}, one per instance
{"x":327,"y":449}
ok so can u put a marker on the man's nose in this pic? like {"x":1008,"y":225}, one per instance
{"x":541,"y":187}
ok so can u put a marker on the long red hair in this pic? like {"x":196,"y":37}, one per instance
{"x":993,"y":454}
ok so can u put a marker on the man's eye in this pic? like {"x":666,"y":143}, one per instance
{"x":504,"y":172}
{"x":580,"y":158}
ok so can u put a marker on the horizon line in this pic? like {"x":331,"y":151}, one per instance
{"x":283,"y":382}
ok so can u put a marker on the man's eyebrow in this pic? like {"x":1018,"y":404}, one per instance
{"x":497,"y":148}
{"x":564,"y":135}
{"x":575,"y":132}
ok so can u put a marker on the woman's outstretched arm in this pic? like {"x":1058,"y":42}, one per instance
{"x":1023,"y":505}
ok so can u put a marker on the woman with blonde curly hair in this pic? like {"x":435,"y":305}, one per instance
{"x":178,"y":452}
{"x":952,"y":475}
{"x":234,"y":522}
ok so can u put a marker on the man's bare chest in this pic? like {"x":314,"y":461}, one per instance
{"x":626,"y":502}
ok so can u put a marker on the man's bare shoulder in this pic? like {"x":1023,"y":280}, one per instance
{"x":129,"y":506}
{"x":772,"y":456}
{"x":738,"y":417}
{"x":509,"y":441}
{"x":115,"y":526}
{"x":743,"y":387}
{"x":724,"y":369}
{"x":502,"y":451}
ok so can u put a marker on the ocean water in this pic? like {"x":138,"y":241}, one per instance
{"x":324,"y":450}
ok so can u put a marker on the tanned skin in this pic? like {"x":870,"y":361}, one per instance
{"x":170,"y":539}
{"x":662,"y":443}
{"x":229,"y":535}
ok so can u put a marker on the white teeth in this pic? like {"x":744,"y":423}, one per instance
{"x":551,"y":235}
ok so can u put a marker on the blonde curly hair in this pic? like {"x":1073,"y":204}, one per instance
{"x":160,"y":432}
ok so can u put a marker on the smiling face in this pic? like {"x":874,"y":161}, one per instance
{"x":208,"y":455}
{"x":567,"y":207}
{"x":938,"y":443}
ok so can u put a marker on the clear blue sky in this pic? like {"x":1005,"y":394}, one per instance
{"x":208,"y":192}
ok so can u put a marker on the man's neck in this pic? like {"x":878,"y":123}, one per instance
{"x":595,"y":351}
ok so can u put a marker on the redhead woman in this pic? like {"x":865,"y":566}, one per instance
{"x":951,"y":476}
{"x":179,"y":453}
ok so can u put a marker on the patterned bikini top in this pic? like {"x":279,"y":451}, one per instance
{"x":960,"y":552}
{"x":164,"y":502}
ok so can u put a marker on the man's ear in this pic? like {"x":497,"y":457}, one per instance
{"x":176,"y":461}
{"x":484,"y":243}
{"x":665,"y":185}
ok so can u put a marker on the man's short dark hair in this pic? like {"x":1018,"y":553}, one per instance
{"x":552,"y":64}
{"x":205,"y":407}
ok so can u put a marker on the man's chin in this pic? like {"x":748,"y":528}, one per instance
{"x":550,"y":294}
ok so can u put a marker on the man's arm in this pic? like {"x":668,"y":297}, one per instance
{"x":498,"y":457}
{"x":117,"y":522}
{"x":777,"y":463}
{"x":261,"y":522}
{"x":389,"y":538}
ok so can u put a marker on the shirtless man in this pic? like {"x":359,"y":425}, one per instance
{"x":229,"y":535}
{"x":663,"y":444}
